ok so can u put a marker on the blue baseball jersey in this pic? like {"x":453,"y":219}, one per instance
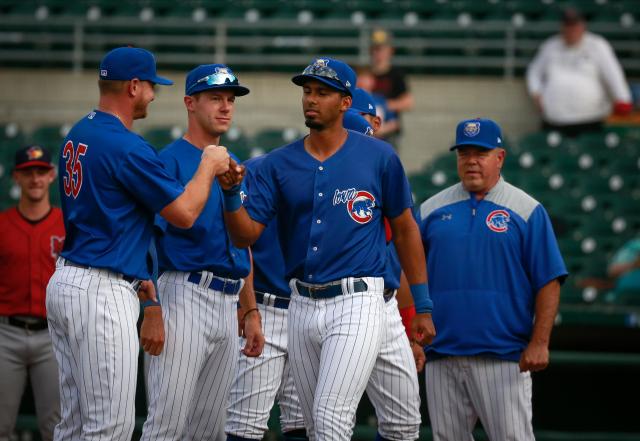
{"x":486,"y":262}
{"x":205,"y":246}
{"x":111,"y":184}
{"x":268,"y":262}
{"x":330,"y":213}
{"x":392,"y":268}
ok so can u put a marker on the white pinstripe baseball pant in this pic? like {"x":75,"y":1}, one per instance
{"x":92,"y":317}
{"x":261,"y":380}
{"x":188,"y":383}
{"x":333,"y":345}
{"x":462,"y":389}
{"x":393,"y":386}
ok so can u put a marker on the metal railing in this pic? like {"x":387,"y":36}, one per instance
{"x":492,"y":46}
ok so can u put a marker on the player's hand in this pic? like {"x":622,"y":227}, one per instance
{"x":535,"y":357}
{"x":422,"y":329}
{"x":233,"y":176}
{"x":147,"y":291}
{"x":252,"y":332}
{"x":152,"y":330}
{"x":218,"y":157}
{"x":418,"y":356}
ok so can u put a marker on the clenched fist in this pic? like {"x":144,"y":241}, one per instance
{"x":218,"y":157}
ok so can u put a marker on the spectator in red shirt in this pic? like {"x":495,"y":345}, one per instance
{"x":31,"y":236}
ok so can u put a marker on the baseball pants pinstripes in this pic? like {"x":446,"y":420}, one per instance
{"x":189,"y":382}
{"x":393,"y":386}
{"x":333,"y":345}
{"x":462,"y":389}
{"x":261,"y":380}
{"x":92,"y":316}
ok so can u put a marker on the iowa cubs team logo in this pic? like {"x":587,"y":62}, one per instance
{"x":360,"y":204}
{"x":498,"y":221}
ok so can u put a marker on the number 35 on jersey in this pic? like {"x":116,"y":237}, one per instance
{"x":72,"y":179}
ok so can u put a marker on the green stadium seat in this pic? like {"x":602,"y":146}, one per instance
{"x":160,"y":136}
{"x":50,"y":137}
{"x":238,"y":143}
{"x":271,"y":138}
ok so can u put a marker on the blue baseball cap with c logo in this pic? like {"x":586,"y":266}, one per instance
{"x":127,"y":63}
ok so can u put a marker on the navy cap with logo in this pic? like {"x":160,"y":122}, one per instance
{"x":213,"y":76}
{"x":127,"y":63}
{"x":354,"y":121}
{"x":363,"y":102}
{"x":332,"y":72}
{"x":32,"y":156}
{"x":479,"y":132}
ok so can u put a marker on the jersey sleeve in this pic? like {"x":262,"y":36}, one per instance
{"x":396,"y":192}
{"x":542,"y":258}
{"x":262,"y":194}
{"x":144,"y":175}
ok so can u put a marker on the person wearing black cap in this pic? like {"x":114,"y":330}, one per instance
{"x":575,"y":79}
{"x":202,"y":275}
{"x":111,"y":185}
{"x":495,"y":271}
{"x":329,"y":193}
{"x":32,"y":236}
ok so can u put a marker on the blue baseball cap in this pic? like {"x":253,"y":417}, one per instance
{"x":354,"y":121}
{"x":213,"y":76}
{"x":127,"y":63}
{"x":363,"y":102}
{"x":478,"y":132}
{"x":334,"y":73}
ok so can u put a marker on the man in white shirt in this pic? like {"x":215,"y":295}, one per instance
{"x":576,"y":80}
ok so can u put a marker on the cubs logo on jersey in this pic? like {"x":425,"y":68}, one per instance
{"x":498,"y":221}
{"x":360,"y":204}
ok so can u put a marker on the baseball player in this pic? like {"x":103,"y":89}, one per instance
{"x":393,"y":386}
{"x":260,"y":381}
{"x":329,"y":192}
{"x":202,"y":275}
{"x":495,"y":272}
{"x":32,"y":236}
{"x":111,"y":184}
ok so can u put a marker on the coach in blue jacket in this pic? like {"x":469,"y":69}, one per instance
{"x":495,"y":272}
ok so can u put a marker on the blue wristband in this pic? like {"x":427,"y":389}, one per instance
{"x":150,"y":303}
{"x":421,"y":299}
{"x":231,"y":198}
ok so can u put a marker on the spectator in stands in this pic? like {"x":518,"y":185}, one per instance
{"x":32,"y":236}
{"x":389,"y":120}
{"x":575,"y":78}
{"x":624,"y":268}
{"x":390,"y":82}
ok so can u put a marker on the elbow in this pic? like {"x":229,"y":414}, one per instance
{"x":185,"y":221}
{"x":241,"y":242}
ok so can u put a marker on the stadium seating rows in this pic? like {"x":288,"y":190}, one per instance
{"x":254,"y":10}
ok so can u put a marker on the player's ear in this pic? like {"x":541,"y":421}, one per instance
{"x":133,"y":87}
{"x":346,"y":102}
{"x":377,"y":123}
{"x":189,"y":103}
